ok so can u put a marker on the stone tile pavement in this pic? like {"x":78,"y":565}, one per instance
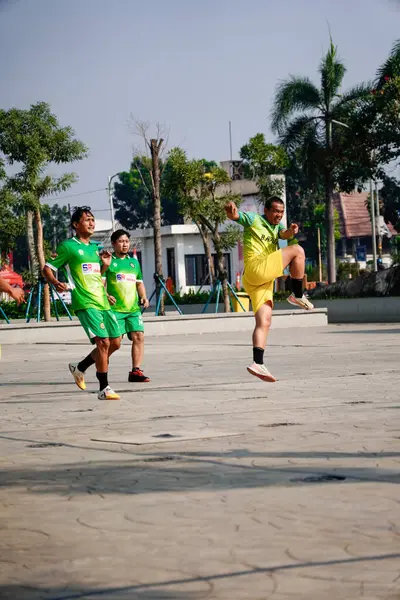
{"x":286,"y":490}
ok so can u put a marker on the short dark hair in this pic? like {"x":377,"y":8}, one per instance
{"x":119,"y":233}
{"x":270,"y":201}
{"x":79,"y":211}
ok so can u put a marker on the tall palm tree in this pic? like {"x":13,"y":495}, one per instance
{"x":390,"y":68}
{"x":306,"y":117}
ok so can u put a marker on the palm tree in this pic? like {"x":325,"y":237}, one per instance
{"x":306,"y":117}
{"x":390,"y":68}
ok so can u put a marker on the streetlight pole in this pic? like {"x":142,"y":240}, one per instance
{"x":110,"y":199}
{"x":371,"y":191}
{"x":319,"y":254}
{"x":378,"y":212}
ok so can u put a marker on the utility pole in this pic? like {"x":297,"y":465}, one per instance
{"x":373,"y":225}
{"x":319,"y":254}
{"x":378,"y":212}
{"x":230,"y":139}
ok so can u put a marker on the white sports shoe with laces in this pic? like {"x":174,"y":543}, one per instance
{"x":261,"y":372}
{"x":107,"y":394}
{"x":302,"y":302}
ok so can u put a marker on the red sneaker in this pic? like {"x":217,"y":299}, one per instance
{"x":137,"y":376}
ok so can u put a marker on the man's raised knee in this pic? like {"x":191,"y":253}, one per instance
{"x":299,"y":250}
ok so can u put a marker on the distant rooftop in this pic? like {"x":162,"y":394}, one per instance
{"x":354,"y":216}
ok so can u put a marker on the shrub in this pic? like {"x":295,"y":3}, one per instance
{"x":346,"y":269}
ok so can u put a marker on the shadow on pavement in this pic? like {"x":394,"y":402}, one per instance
{"x":353,"y":331}
{"x":161,"y":472}
{"x":158,"y":591}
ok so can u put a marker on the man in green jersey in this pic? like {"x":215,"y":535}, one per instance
{"x":263,"y":263}
{"x":83,"y":266}
{"x":126,"y":293}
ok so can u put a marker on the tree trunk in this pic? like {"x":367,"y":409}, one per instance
{"x":40,"y":255}
{"x":207,"y":251}
{"x":30,"y":235}
{"x":155,"y":146}
{"x":222,"y":274}
{"x":330,"y":231}
{"x":329,"y":210}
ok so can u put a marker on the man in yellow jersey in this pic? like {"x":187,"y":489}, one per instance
{"x":263,"y":263}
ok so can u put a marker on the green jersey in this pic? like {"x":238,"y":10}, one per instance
{"x":260,"y":237}
{"x":82,"y":266}
{"x":122,"y":276}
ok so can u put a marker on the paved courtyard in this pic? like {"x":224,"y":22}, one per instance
{"x":205,"y":483}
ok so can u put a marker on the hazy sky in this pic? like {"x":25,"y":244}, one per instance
{"x":191,"y":64}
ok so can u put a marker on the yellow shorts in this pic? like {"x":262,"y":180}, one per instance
{"x":259,"y":276}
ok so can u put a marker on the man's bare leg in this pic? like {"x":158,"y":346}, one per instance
{"x":263,"y":323}
{"x":103,"y":346}
{"x":78,"y":369}
{"x":137,"y":375}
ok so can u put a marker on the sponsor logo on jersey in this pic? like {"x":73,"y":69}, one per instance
{"x":126,"y":277}
{"x":90,"y":268}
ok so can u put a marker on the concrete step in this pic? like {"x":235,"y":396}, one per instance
{"x":68,"y":331}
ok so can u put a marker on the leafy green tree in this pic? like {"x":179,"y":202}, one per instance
{"x":303,"y":191}
{"x":203,"y":190}
{"x":372,"y":140}
{"x":12,"y":225}
{"x":34,"y":139}
{"x":390,"y":197}
{"x":56,"y":223}
{"x":308,"y":117}
{"x":261,"y":162}
{"x":317,"y":221}
{"x":133,"y":200}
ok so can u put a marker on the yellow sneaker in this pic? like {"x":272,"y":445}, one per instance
{"x":77,"y":375}
{"x":107,"y":394}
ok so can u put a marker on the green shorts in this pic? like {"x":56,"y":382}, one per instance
{"x":98,"y":323}
{"x":129,"y":322}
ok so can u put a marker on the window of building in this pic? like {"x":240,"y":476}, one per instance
{"x":139,"y":257}
{"x":197,"y":271}
{"x":171,"y":264}
{"x":195,"y":268}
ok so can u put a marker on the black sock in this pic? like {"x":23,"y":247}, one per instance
{"x":86,"y":363}
{"x":103,"y":379}
{"x":297,"y":287}
{"x":258,"y":356}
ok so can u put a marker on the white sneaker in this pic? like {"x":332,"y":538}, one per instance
{"x":261,"y":372}
{"x":302,"y":302}
{"x":77,"y":375}
{"x":107,"y":394}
